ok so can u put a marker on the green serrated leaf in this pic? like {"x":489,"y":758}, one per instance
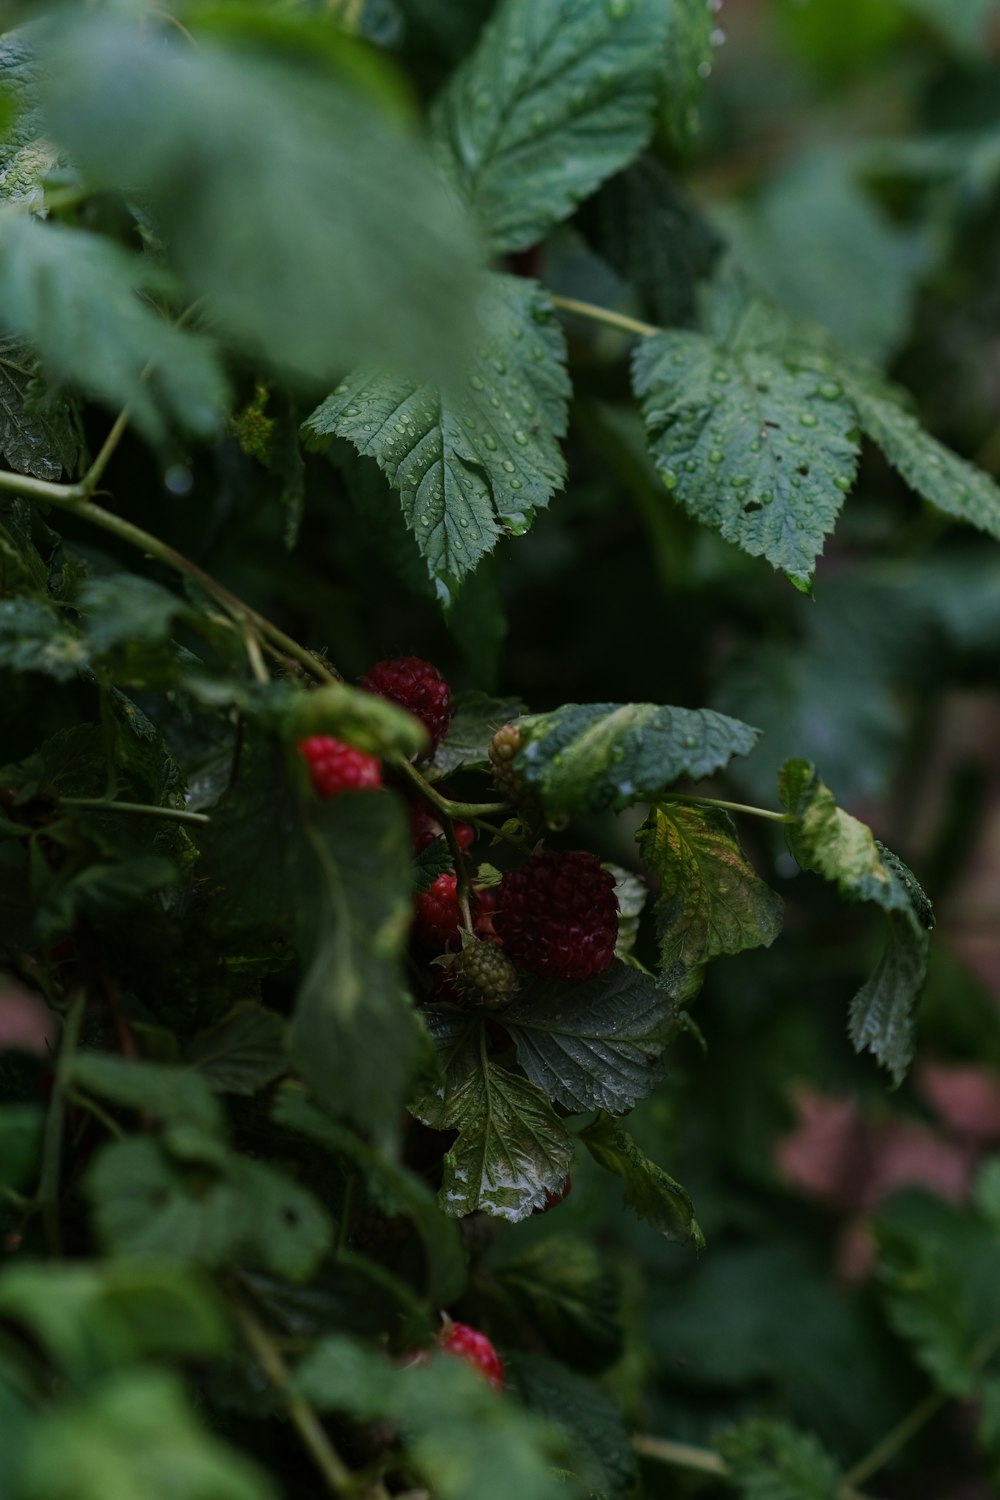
{"x":631,"y":893}
{"x":585,"y":757}
{"x":746,"y":435}
{"x":557,"y":96}
{"x":243,"y":1052}
{"x":72,"y":296}
{"x":649,"y":1191}
{"x":844,"y":851}
{"x":512,"y":1149}
{"x":567,"y":1290}
{"x":469,"y":463}
{"x":99,"y":889}
{"x":431,"y":862}
{"x":37,"y":433}
{"x":446,"y":1269}
{"x":475,"y":720}
{"x":190,"y":1114}
{"x":355,"y":1035}
{"x":951,"y":484}
{"x":602,"y":1455}
{"x":688,"y":63}
{"x":770,"y":1460}
{"x":710,"y":898}
{"x":596,"y":1045}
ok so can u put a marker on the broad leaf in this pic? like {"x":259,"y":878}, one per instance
{"x":557,"y":96}
{"x":354,"y":1035}
{"x":710,"y":898}
{"x":770,"y":1460}
{"x":133,"y":1434}
{"x":242,"y":1052}
{"x":569,"y":1292}
{"x":691,"y":40}
{"x":34,"y":639}
{"x":653,"y":1195}
{"x":512,"y":1149}
{"x":602,"y":1455}
{"x":356,"y":252}
{"x":746,"y":435}
{"x":468,"y":1443}
{"x":585,"y":757}
{"x":951,"y":484}
{"x":474,"y":461}
{"x":37,"y":433}
{"x":843,"y":850}
{"x":399,"y":1191}
{"x":475,"y":720}
{"x":26,"y":156}
{"x":73,"y":297}
{"x":596,"y":1045}
{"x":188,"y":1112}
{"x":927,"y":1283}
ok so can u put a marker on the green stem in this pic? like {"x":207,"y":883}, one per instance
{"x":52,"y":1143}
{"x":83,"y":1101}
{"x":604,"y":315}
{"x":738,"y":807}
{"x":704,"y":1461}
{"x":445,"y":805}
{"x":500,"y":833}
{"x":339,"y":1479}
{"x":139,"y":809}
{"x":92,"y":478}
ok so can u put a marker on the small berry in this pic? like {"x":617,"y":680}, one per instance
{"x":335,"y":767}
{"x":502,"y":749}
{"x":418,"y":687}
{"x":557,"y":915}
{"x":483,"y":907}
{"x":437,"y":914}
{"x":475,"y":1348}
{"x":484,"y":975}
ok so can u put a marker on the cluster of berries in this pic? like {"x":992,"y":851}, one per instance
{"x":556,"y":916}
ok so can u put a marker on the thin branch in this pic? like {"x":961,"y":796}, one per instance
{"x":604,"y":315}
{"x":737,"y":807}
{"x":704,"y":1461}
{"x":339,"y":1479}
{"x":443,"y":804}
{"x":137,"y":809}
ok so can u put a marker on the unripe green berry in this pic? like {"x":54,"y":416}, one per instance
{"x":503,"y":747}
{"x":484,"y":975}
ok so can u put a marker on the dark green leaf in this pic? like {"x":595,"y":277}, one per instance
{"x":474,"y":462}
{"x":710,"y":898}
{"x":20,"y":1144}
{"x":843,"y":850}
{"x":243,"y":1052}
{"x":688,"y":63}
{"x":563,"y":1288}
{"x":25,"y":155}
{"x":557,"y":96}
{"x":747,"y":437}
{"x":772,"y":1461}
{"x":475,"y":720}
{"x":73,"y":297}
{"x":394,"y":1185}
{"x":354,"y":1034}
{"x":91,"y":1318}
{"x":596,"y":1045}
{"x":585,"y":757}
{"x":100,"y":890}
{"x":184,"y":1103}
{"x":950,"y":483}
{"x":134,"y":1435}
{"x":649,"y":1192}
{"x":431,"y":862}
{"x":512,"y":1149}
{"x":313,"y":225}
{"x":602,"y":1455}
{"x":37,"y":433}
{"x":34,"y":639}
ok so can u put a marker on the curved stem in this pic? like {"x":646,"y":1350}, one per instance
{"x":137,"y":809}
{"x":738,"y":807}
{"x":500,"y":833}
{"x":443,"y":804}
{"x":704,"y":1461}
{"x":604,"y":315}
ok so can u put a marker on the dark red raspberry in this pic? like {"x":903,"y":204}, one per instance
{"x":475,"y":1348}
{"x":426,"y":829}
{"x":335,"y":767}
{"x":437,"y":915}
{"x":483,"y":906}
{"x":557,"y":915}
{"x":417,"y":686}
{"x":553,"y":1199}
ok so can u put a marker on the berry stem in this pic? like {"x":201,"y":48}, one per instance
{"x":501,"y":833}
{"x":738,"y":807}
{"x":442,"y":804}
{"x":339,"y":1479}
{"x":604,"y":315}
{"x":140,"y":809}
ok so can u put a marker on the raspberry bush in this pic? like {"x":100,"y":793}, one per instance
{"x":497,"y":553}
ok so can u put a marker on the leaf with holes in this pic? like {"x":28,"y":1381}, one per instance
{"x":477,"y":460}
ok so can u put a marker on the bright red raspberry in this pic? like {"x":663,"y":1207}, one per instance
{"x":417,"y":686}
{"x":335,"y":767}
{"x":475,"y":1348}
{"x":557,"y":915}
{"x":437,"y":915}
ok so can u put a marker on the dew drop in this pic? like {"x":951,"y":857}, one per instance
{"x":704,"y":70}
{"x":766,"y":496}
{"x":477,"y":382}
{"x":669,"y":478}
{"x":721,"y":375}
{"x":715,"y":457}
{"x":520,"y":438}
{"x":842,"y":482}
{"x":507,"y":466}
{"x":351,"y":411}
{"x":489,"y":441}
{"x":515,"y":484}
{"x":829,"y":390}
{"x":690,"y":467}
{"x":807,"y":419}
